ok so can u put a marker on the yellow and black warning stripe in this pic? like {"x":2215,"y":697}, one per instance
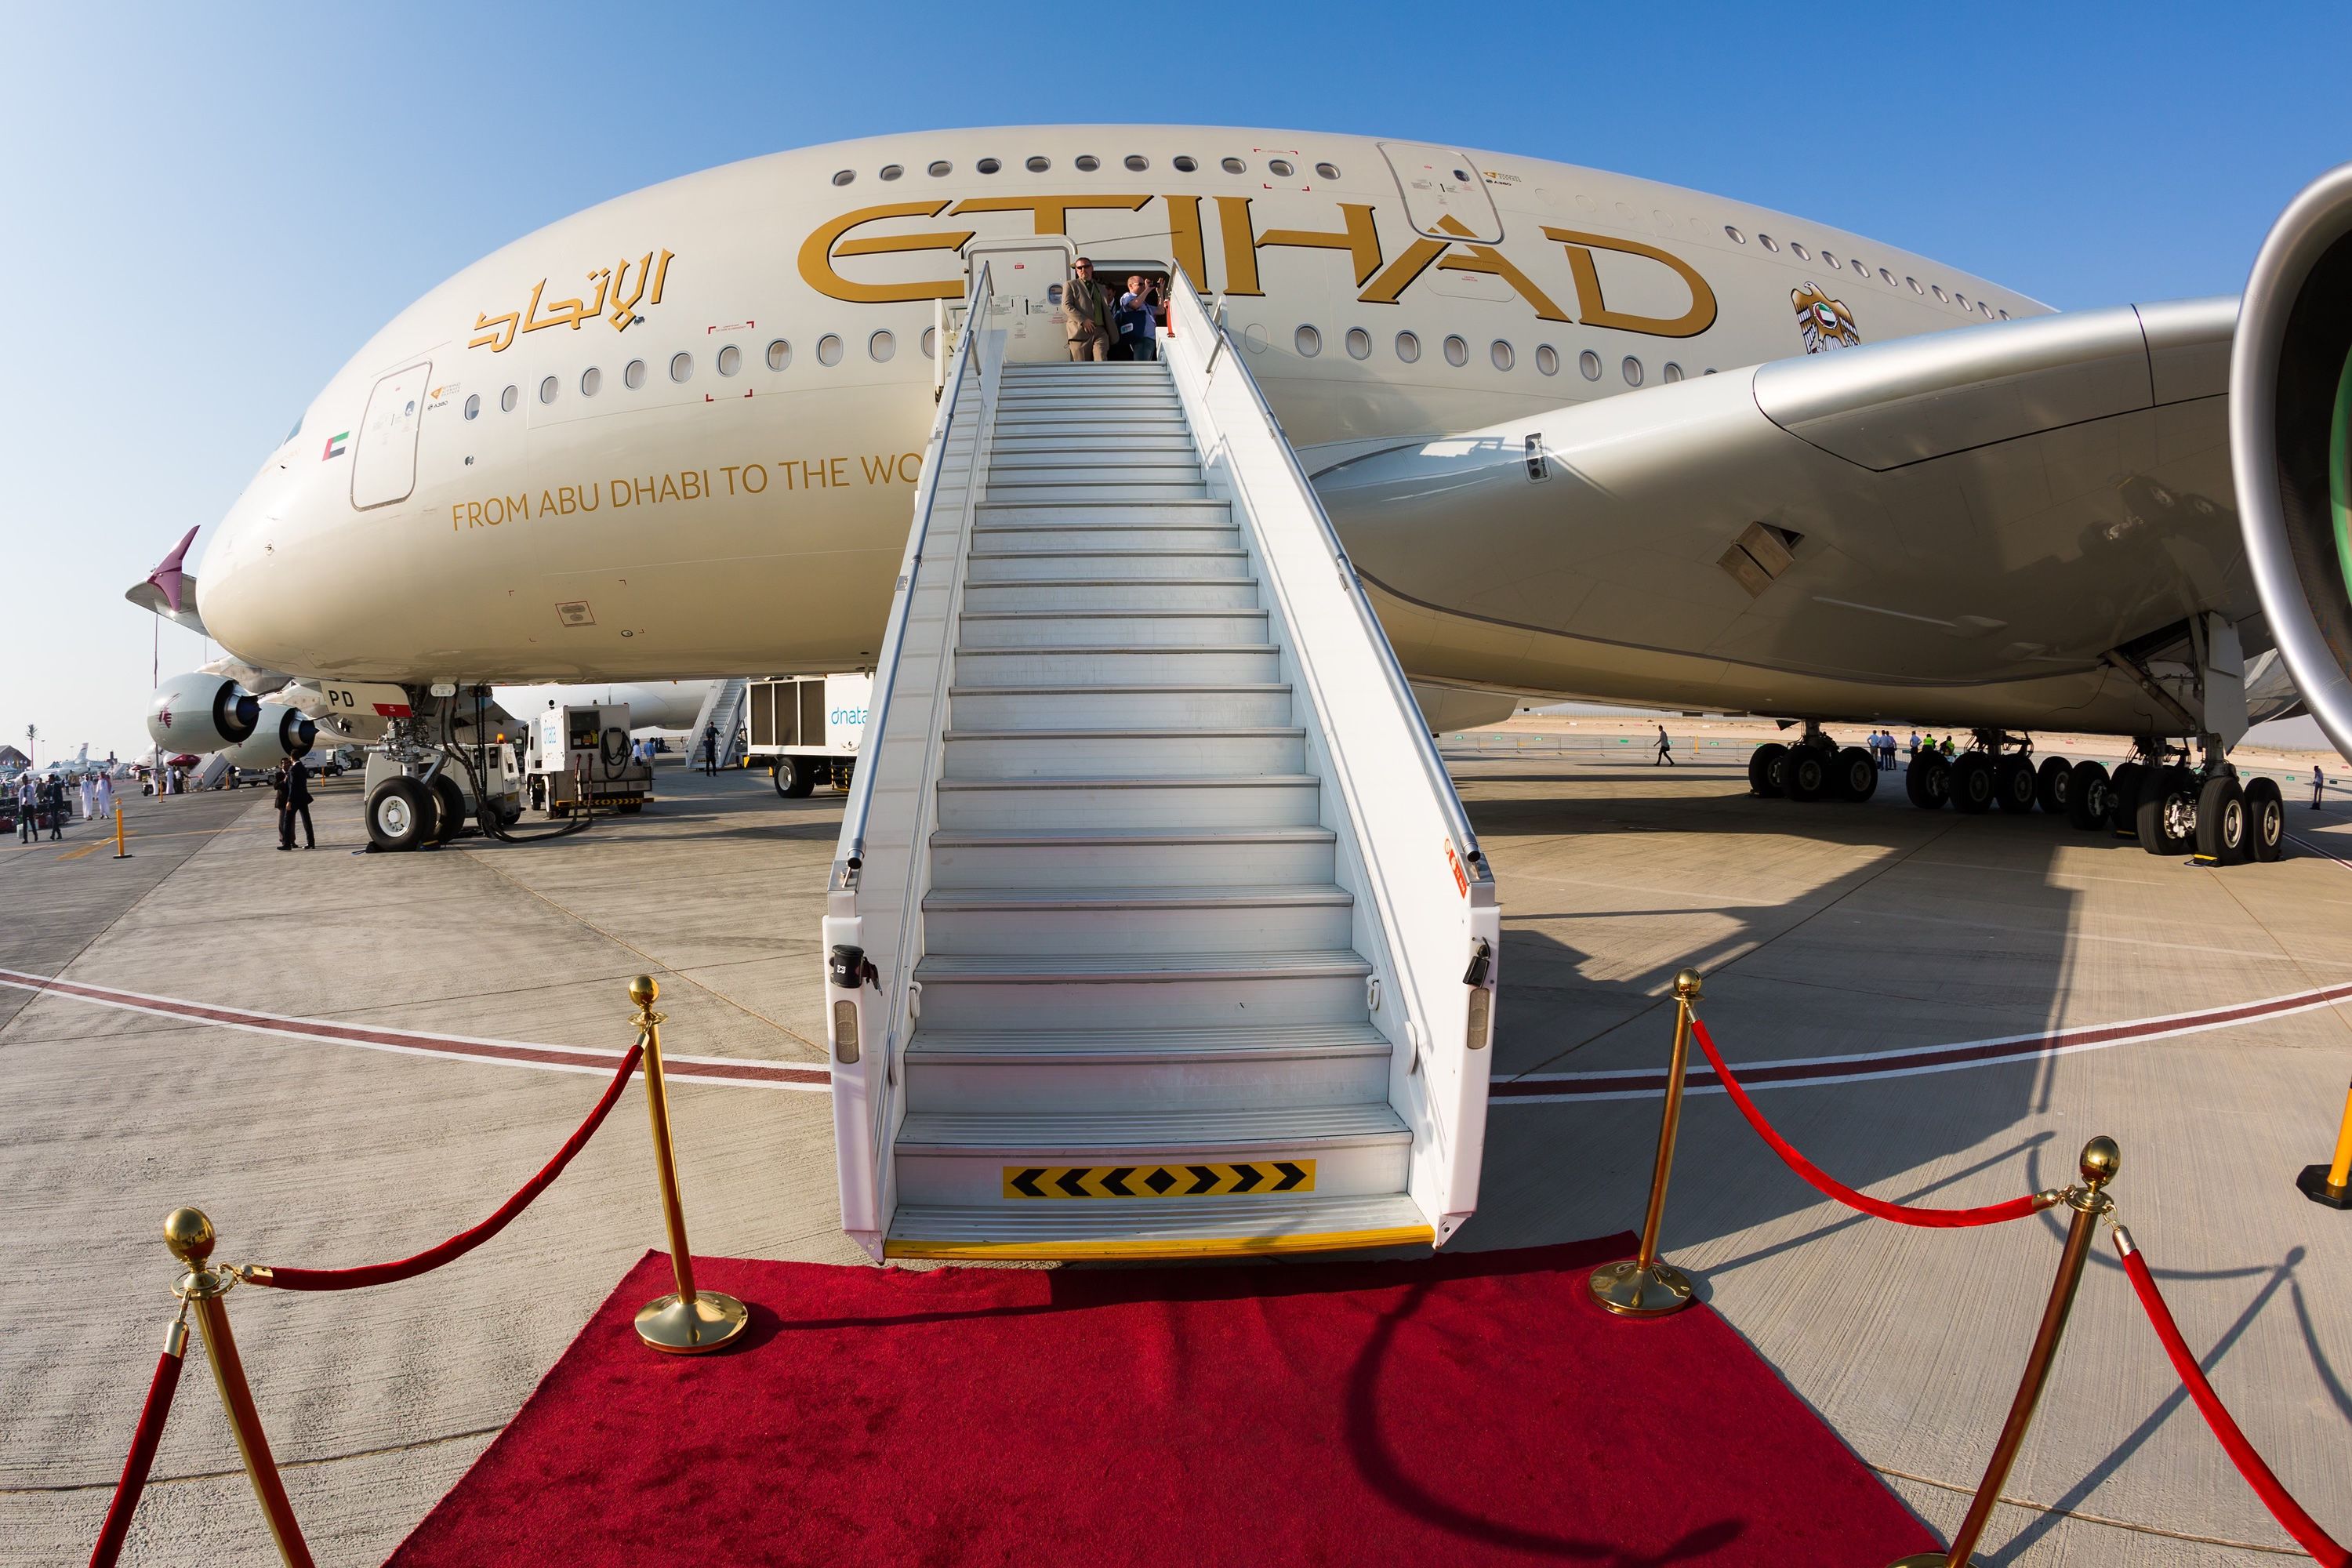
{"x":1224,"y":1181}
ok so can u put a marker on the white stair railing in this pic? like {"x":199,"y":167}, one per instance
{"x":881,"y":868}
{"x":1426,"y":914}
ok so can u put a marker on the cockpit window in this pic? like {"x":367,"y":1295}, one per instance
{"x":298,"y":427}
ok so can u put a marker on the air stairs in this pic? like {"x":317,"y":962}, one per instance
{"x":722,"y":706}
{"x":1147,"y":1010}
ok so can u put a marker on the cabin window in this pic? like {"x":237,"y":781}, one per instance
{"x":1280,"y":168}
{"x":1941,"y":298}
{"x":2005,"y":315}
{"x":940,"y":167}
{"x":1887,"y":277}
{"x":731,"y":360}
{"x":506,"y":400}
{"x":1860,"y":265}
{"x":1089,"y":163}
{"x":1408,"y":347}
{"x":1961,"y":297}
{"x":634,"y":375}
{"x":1327,"y":170}
{"x":844,"y":176}
{"x":547,"y":390}
{"x":780,"y":354}
{"x":1914,"y":285}
{"x":988,"y":165}
{"x":1546,"y":358}
{"x":1186,"y":165}
{"x":1138,"y":162}
{"x":473,"y":410}
{"x":828,"y":350}
{"x":1984,"y":309}
{"x":592,"y":381}
{"x":931,"y":342}
{"x":1632,"y":371}
{"x":680,"y":366}
{"x":1310,"y":342}
{"x":880,"y":347}
{"x":892,"y":170}
{"x":1799,"y":251}
{"x":1359,"y":344}
{"x":1037,"y":165}
{"x":1674,"y":372}
{"x":1769,"y":243}
{"x":1737,"y":238}
{"x":1500,"y":353}
{"x":1232,"y":166}
{"x":1590,"y":363}
{"x":1829,"y":257}
{"x":1457,"y":352}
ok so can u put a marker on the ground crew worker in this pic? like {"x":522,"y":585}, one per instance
{"x":1666,"y":748}
{"x":710,"y":750}
{"x":2318,"y":786}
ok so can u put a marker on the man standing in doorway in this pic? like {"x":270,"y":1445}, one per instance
{"x":1085,"y":313}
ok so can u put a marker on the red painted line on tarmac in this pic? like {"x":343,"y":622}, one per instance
{"x":513,"y":1052}
{"x":1538,"y":1088}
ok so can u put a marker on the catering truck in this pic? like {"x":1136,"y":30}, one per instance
{"x":805,"y":728}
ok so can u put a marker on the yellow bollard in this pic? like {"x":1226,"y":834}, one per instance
{"x":190,"y":1236}
{"x":2332,"y":1184}
{"x":1642,"y":1286}
{"x":119,"y":852}
{"x":2100,"y":1161}
{"x":689,"y":1322}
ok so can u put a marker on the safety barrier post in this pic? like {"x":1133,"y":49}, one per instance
{"x":689,"y":1322}
{"x":1643,"y":1286}
{"x":119,"y":852}
{"x":190,"y":1236}
{"x":2099,"y":1163}
{"x":2332,"y":1184}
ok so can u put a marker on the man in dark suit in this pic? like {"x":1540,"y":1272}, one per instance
{"x":294,"y":801}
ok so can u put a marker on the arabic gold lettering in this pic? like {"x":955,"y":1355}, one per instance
{"x":660,"y":273}
{"x":603,"y":278}
{"x":623,"y":309}
{"x":488,"y":326}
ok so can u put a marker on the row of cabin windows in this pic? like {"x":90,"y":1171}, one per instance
{"x":1280,"y":168}
{"x":881,"y":348}
{"x":1308,"y":341}
{"x":1829,"y":258}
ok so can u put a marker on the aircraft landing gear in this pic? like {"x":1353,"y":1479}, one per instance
{"x":1812,"y":767}
{"x":403,"y":814}
{"x":2090,"y":797}
{"x":2265,"y":819}
{"x":1854,"y":775}
{"x":1928,"y":782}
{"x":2053,"y":786}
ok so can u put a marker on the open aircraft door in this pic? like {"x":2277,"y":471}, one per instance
{"x":1439,"y":183}
{"x":383,"y":468}
{"x":1026,"y":279}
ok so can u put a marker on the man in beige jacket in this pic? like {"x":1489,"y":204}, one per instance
{"x":1085,"y":310}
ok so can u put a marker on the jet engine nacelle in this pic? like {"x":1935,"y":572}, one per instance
{"x":2291,"y":442}
{"x":198,"y":712}
{"x":278,"y":732}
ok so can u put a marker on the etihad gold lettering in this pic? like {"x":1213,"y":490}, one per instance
{"x":1356,"y":237}
{"x":1053,"y":212}
{"x":1594,"y":312}
{"x":1485,"y":258}
{"x":1185,"y":238}
{"x":1240,"y":245}
{"x":819,"y":251}
{"x":498,"y":332}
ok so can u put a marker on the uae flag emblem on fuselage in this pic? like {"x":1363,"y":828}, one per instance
{"x":334,"y":445}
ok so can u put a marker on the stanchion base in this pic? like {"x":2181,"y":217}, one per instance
{"x":1631,"y":1290}
{"x":713,"y":1323}
{"x":2313,"y":1182}
{"x":1927,"y":1560}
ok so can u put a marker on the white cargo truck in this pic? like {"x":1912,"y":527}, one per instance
{"x":805,"y":728}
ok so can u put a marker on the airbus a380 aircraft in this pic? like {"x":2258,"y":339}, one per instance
{"x":1583,"y":435}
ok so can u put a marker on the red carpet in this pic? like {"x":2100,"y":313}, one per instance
{"x":1469,"y":1408}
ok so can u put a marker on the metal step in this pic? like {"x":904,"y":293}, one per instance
{"x":1095,"y":489}
{"x":1112,"y":593}
{"x":1162,"y":991}
{"x":1062,"y":707}
{"x":1106,"y":456}
{"x":1131,"y":664}
{"x":1185,"y":510}
{"x":1115,"y":628}
{"x":1163,"y":1228}
{"x":1118,"y":804}
{"x":1079,"y":1072}
{"x":1140,"y":921}
{"x":1164,"y":754}
{"x":1105,"y":534}
{"x":1004,"y":565}
{"x":1024,"y":440}
{"x":1079,"y":858}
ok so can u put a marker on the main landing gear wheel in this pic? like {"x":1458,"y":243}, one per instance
{"x":450,"y":804}
{"x":2014,"y":783}
{"x":2265,"y":819}
{"x":2090,"y":799}
{"x":401,"y":814}
{"x":2123,"y":799}
{"x":1973,"y":784}
{"x":1854,"y":774}
{"x":1764,"y":765}
{"x":795,"y":777}
{"x":1806,"y":773}
{"x":2222,"y":835}
{"x":2053,"y":786}
{"x":2166,"y":815}
{"x":1928,"y":781}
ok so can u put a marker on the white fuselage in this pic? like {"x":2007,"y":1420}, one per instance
{"x":679,"y":435}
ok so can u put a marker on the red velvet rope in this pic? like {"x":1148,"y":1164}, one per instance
{"x":2305,"y":1530}
{"x":465,"y":1241}
{"x":135,"y":1465}
{"x":1992,"y":1213}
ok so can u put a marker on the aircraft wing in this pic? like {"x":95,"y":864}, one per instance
{"x":1999,"y":526}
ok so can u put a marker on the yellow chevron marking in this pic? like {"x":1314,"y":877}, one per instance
{"x":1159,"y":1179}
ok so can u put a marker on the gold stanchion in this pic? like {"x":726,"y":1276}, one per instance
{"x":2332,"y":1184}
{"x":189,"y":1235}
{"x":689,"y":1322}
{"x":1642,"y":1286}
{"x":2100,"y":1162}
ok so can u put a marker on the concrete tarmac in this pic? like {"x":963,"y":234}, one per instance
{"x":1823,"y":930}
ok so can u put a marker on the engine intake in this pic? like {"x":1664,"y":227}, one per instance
{"x":198,"y":712}
{"x":2291,"y":442}
{"x":278,"y":732}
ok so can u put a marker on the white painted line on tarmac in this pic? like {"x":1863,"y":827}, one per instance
{"x":1913,"y":1061}
{"x":727,"y":1070}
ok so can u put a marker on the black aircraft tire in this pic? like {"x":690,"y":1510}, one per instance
{"x":2166,"y":815}
{"x":2013,"y":783}
{"x":2088,"y":798}
{"x":2123,"y":799}
{"x":2053,"y":785}
{"x":1928,"y":781}
{"x":1973,"y":783}
{"x":2221,"y":825}
{"x":1806,"y":773}
{"x":1763,"y":773}
{"x":449,"y":803}
{"x":1855,"y":773}
{"x":2265,"y":820}
{"x":402,"y":813}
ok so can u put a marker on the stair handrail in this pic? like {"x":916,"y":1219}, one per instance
{"x":854,"y":811}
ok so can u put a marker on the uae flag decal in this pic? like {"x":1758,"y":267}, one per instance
{"x":335,"y":445}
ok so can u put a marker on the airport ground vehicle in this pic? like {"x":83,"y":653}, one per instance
{"x":579,"y":753}
{"x":805,"y":728}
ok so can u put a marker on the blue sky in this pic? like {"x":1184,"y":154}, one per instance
{"x":208,"y":209}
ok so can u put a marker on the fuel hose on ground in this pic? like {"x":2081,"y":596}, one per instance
{"x":488,"y":815}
